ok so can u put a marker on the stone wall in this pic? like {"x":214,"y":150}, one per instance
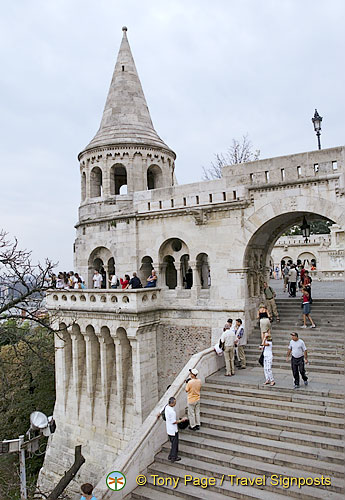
{"x":175,"y":345}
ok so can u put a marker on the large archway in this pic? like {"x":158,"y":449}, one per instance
{"x":264,"y":227}
{"x":100,"y":259}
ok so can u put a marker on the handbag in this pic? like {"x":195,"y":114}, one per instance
{"x":221,"y":345}
{"x":261,"y":359}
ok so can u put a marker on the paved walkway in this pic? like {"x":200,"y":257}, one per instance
{"x":320,"y":289}
{"x":255,"y":376}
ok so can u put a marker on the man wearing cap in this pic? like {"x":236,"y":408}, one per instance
{"x":193,"y":388}
{"x":299,"y":354}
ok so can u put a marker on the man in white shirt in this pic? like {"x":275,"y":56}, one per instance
{"x":97,"y":279}
{"x":241,"y":342}
{"x":172,"y":429}
{"x":299,"y":354}
{"x":228,"y":338}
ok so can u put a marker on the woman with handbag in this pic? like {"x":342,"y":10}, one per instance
{"x":268,"y":359}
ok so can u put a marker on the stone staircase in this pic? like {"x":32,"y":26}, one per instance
{"x":251,"y":431}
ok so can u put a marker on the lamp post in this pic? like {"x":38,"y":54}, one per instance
{"x":305,"y":227}
{"x":317,"y":119}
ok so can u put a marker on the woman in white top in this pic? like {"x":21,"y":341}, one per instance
{"x":268,"y":359}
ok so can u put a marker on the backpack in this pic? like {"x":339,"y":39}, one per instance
{"x":163,"y":413}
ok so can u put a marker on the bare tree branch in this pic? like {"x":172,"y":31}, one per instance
{"x":239,"y":152}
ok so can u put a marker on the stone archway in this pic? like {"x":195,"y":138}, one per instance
{"x":99,"y":260}
{"x":265,"y":226}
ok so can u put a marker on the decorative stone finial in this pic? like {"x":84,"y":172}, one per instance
{"x":124,"y":28}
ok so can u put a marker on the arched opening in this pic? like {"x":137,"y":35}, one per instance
{"x":145,"y":268}
{"x":154,"y":177}
{"x":98,"y":261}
{"x":96,"y":182}
{"x":260,"y":245}
{"x":203,"y":270}
{"x":186,"y":272}
{"x":83,"y":186}
{"x":170,"y":272}
{"x":308,"y":260}
{"x":118,"y":179}
{"x":173,"y":269}
{"x":111,"y":266}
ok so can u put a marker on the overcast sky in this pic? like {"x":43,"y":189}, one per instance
{"x":211,"y":71}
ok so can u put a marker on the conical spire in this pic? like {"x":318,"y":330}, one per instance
{"x":126,"y":117}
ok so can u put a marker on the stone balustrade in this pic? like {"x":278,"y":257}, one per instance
{"x":105,"y":300}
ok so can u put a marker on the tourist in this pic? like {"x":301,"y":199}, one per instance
{"x":241,"y":342}
{"x":151,"y":280}
{"x":135,"y":282}
{"x":125,"y":282}
{"x":172,"y":429}
{"x":293,"y":281}
{"x":87,"y":490}
{"x":264,"y":321}
{"x":97,"y":279}
{"x":72,"y":279}
{"x":285,"y":272}
{"x":228,"y":338}
{"x":306,"y":282}
{"x":193,"y":388}
{"x":104,"y":277}
{"x":299,"y":355}
{"x":270,"y":295}
{"x":60,"y":281}
{"x":306,"y":309}
{"x":268,"y":359}
{"x":276,"y":273}
{"x":114,"y":281}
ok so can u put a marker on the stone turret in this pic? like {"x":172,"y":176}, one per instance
{"x":126,"y":154}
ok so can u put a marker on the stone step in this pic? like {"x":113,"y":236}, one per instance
{"x":308,"y":427}
{"x":226,"y":383}
{"x":267,"y":394}
{"x":313,"y":368}
{"x":218,"y":492}
{"x":269,"y":403}
{"x":281,"y":350}
{"x":163,"y":467}
{"x":286,"y":436}
{"x":209,"y":457}
{"x":226,"y":451}
{"x":272,"y":442}
{"x":292,"y":415}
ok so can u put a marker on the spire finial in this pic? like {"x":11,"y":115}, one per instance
{"x":124,"y":28}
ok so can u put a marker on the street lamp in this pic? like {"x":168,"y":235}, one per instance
{"x":305,"y":228}
{"x":317,"y":119}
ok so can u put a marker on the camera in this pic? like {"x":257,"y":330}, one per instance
{"x":188,"y":379}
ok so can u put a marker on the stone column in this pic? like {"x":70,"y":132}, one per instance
{"x":137,"y":376}
{"x":162,"y":275}
{"x":119,"y":381}
{"x":92,"y":359}
{"x":63,"y":363}
{"x":179,"y":285}
{"x":78,"y":366}
{"x":107,"y":361}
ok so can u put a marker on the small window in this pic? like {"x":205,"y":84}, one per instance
{"x":84,"y":230}
{"x":224,"y":196}
{"x":123,"y":68}
{"x":282,"y":172}
{"x":149,"y":206}
{"x":334,"y":165}
{"x":73,"y":247}
{"x":251,"y":176}
{"x":210,"y":198}
{"x":172,"y":203}
{"x":234,"y":195}
{"x":299,"y":171}
{"x":316,"y":168}
{"x":160,"y":204}
{"x":184,"y":202}
{"x":197,"y":199}
{"x":267,"y":176}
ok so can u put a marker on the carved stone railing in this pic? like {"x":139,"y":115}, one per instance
{"x":104,"y":300}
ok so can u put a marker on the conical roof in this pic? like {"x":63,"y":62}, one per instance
{"x":126,"y":118}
